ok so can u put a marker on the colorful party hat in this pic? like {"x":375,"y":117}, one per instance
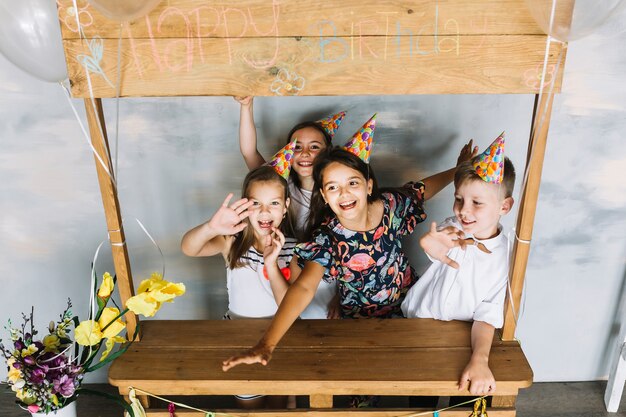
{"x":331,"y":123}
{"x":361,"y":142}
{"x":281,"y":161}
{"x":490,"y":164}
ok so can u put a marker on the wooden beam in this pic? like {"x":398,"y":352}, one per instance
{"x":97,"y":130}
{"x":350,"y":47}
{"x":528,"y":207}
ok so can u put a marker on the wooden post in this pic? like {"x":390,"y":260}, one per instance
{"x":528,"y":206}
{"x":95,"y":118}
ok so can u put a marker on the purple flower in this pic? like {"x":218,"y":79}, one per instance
{"x":19,"y":345}
{"x":64,"y":386}
{"x":18,"y":365}
{"x":37,"y":376}
{"x":29,"y":360}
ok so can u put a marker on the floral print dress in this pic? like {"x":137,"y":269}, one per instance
{"x":372,"y":271}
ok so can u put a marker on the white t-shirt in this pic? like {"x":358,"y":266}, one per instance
{"x":249,"y":292}
{"x":475,"y":291}
{"x":301,"y":203}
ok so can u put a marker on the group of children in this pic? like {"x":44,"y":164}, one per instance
{"x":313,"y":237}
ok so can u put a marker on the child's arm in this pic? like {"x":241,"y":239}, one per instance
{"x":247,"y":134}
{"x":438,"y":182}
{"x":273,"y":245}
{"x":298,"y":297}
{"x":477,"y":374}
{"x":209,"y":238}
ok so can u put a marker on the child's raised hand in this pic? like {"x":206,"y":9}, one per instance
{"x":468,"y":151}
{"x":244,"y":101}
{"x":437,"y":243}
{"x":260,"y":353}
{"x":478,"y":378}
{"x":273,"y":244}
{"x":228,"y":220}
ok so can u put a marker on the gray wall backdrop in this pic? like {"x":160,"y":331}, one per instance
{"x":178,"y":158}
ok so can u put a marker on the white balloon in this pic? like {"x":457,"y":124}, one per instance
{"x":573,"y":19}
{"x":124,"y":10}
{"x":30,"y":37}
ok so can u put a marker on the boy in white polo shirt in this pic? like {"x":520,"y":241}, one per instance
{"x":470,"y":253}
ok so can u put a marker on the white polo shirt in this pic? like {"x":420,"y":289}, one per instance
{"x":474,"y":292}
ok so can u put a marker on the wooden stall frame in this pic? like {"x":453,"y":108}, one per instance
{"x":504,"y":58}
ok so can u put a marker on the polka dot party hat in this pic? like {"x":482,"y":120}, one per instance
{"x":489,"y":165}
{"x":361,"y":142}
{"x":331,"y":123}
{"x":281,"y":161}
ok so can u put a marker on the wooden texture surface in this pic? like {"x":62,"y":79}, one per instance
{"x":188,"y":48}
{"x":359,"y":365}
{"x":326,"y":413}
{"x":112,"y":211}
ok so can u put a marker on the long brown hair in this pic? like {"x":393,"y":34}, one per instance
{"x":245,"y":239}
{"x":319,"y":209}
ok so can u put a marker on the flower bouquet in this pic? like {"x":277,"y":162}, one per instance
{"x":46,"y":373}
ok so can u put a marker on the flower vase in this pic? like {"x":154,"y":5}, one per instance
{"x":67,"y":411}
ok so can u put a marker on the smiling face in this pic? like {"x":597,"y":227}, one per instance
{"x":310,"y":143}
{"x":345,"y":190}
{"x":268,"y":208}
{"x":478,"y":206}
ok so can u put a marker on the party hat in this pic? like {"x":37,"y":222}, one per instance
{"x":361,"y":142}
{"x":281,"y":161}
{"x":331,"y":123}
{"x":489,"y":165}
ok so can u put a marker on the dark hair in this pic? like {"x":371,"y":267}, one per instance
{"x":319,"y":210}
{"x":466,"y":172}
{"x":315,"y":125}
{"x":245,"y":239}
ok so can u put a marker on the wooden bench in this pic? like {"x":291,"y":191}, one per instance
{"x":317,"y":358}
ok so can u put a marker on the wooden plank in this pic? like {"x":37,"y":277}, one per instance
{"x":280,"y":18}
{"x":97,"y":130}
{"x":313,"y":66}
{"x":417,"y":371}
{"x":353,"y":334}
{"x":333,"y":412}
{"x":526,"y":214}
{"x":503,"y":401}
{"x":321,"y":401}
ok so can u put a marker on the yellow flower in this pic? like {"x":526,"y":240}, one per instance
{"x":107,"y":316}
{"x":109,"y":345}
{"x":55,"y":399}
{"x":151,"y":293}
{"x":143,"y":304}
{"x":52,"y":343}
{"x":29,"y":350}
{"x":88,"y":333}
{"x":25,"y":396}
{"x":155,"y":282}
{"x":168,"y":292}
{"x":14,"y":374}
{"x":107,"y":286}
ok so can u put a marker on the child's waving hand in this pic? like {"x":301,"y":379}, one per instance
{"x":437,"y":243}
{"x":228,"y":220}
{"x":467,"y":152}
